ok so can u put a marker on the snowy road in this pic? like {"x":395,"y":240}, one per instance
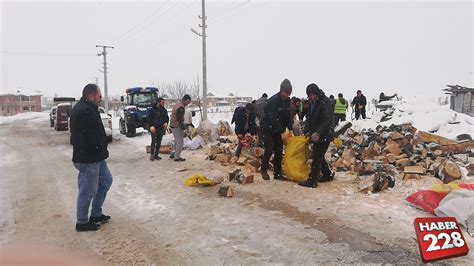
{"x":155,"y":219}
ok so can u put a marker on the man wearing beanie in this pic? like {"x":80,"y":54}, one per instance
{"x":276,"y":118}
{"x":320,"y":128}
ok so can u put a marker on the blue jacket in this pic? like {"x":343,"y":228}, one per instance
{"x":277,"y":115}
{"x":240,"y":119}
{"x":157,"y":116}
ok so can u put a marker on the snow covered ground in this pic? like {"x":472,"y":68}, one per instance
{"x":425,"y":115}
{"x":23,"y":116}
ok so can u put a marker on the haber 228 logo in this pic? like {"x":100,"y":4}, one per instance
{"x":440,"y":238}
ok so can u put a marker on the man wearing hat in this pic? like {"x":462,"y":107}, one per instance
{"x":320,"y":128}
{"x":359,"y":102}
{"x":276,"y":119}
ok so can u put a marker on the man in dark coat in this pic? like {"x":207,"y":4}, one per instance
{"x":359,"y":102}
{"x":244,"y":118}
{"x":259,"y":106}
{"x":320,"y":128}
{"x":276,"y":118}
{"x":383,"y":97}
{"x":158,"y":119}
{"x":89,"y":144}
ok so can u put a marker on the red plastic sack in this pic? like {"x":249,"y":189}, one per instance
{"x":427,"y":200}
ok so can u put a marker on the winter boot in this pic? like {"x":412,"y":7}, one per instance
{"x":311,"y":183}
{"x":100,"y":220}
{"x":152,"y":158}
{"x":89,"y":226}
{"x":264,"y":174}
{"x":280,"y":176}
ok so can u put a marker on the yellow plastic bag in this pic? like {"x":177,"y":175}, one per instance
{"x":445,"y":188}
{"x":198,"y":179}
{"x":338,"y":142}
{"x":194,"y":132}
{"x":295,"y":162}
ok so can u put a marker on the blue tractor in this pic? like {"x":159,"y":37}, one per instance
{"x":137,"y":101}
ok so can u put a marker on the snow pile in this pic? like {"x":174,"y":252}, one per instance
{"x":425,"y":115}
{"x":23,"y":116}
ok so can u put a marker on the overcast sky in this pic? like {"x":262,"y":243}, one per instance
{"x":394,"y":46}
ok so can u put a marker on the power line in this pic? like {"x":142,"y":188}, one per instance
{"x":45,"y":53}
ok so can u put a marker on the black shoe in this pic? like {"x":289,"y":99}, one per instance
{"x":179,"y":160}
{"x":280,"y":177}
{"x":89,"y":226}
{"x":100,"y":220}
{"x":309,"y":183}
{"x":157,"y":157}
{"x":152,"y":158}
{"x":172,"y":155}
{"x":328,"y":178}
{"x":265,"y":175}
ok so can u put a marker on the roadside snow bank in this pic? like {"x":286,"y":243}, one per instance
{"x":425,"y":115}
{"x":23,"y":116}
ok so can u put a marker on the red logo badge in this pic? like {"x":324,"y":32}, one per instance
{"x":440,"y":238}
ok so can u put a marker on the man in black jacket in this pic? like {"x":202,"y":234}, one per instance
{"x":276,"y":118}
{"x":89,"y":154}
{"x":158,"y":119}
{"x":320,"y":128}
{"x":244,"y":118}
{"x":359,"y":102}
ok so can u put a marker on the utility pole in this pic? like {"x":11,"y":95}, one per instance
{"x":106,"y":95}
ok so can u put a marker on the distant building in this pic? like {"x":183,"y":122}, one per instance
{"x":231,"y":99}
{"x":15,"y":103}
{"x":462,"y":99}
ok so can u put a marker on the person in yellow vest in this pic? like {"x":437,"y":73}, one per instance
{"x":340,"y":109}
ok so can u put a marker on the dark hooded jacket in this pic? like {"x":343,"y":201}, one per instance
{"x":359,"y":101}
{"x":243,"y":123}
{"x":89,"y":141}
{"x":276,"y":115}
{"x":320,"y":119}
{"x":157,"y":116}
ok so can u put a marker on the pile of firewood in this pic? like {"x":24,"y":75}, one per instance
{"x":413,"y":153}
{"x":223,"y":152}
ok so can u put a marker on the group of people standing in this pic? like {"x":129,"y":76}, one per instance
{"x":273,"y":116}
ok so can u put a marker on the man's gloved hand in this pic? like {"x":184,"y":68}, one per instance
{"x":314,"y":137}
{"x":360,"y":107}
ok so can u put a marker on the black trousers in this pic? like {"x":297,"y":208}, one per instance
{"x":156,"y":142}
{"x":360,"y":112}
{"x":339,"y":117}
{"x":319,"y":162}
{"x":273,"y":145}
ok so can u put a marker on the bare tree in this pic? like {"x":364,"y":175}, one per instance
{"x":196,"y":93}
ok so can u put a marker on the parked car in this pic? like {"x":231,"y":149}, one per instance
{"x":63,"y":112}
{"x":52,"y":115}
{"x":106,"y":122}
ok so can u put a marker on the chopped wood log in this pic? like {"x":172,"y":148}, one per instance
{"x":391,"y":158}
{"x":234,"y":159}
{"x":390,"y":142}
{"x":165,"y":149}
{"x":414,"y":170}
{"x":242,"y":160}
{"x":251,"y":168}
{"x":438,"y":152}
{"x":148,"y":149}
{"x":254,"y":163}
{"x":470,"y":169}
{"x":258,"y":152}
{"x":226,"y":191}
{"x":248,"y":179}
{"x":457,"y":148}
{"x":396,"y":135}
{"x":382,"y":158}
{"x":427,"y":137}
{"x":394,"y":149}
{"x":408,"y":176}
{"x":224,"y":158}
{"x":359,"y":139}
{"x":424,"y":153}
{"x":401,"y":156}
{"x":403,"y":162}
{"x":348,"y":154}
{"x":452,"y":169}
